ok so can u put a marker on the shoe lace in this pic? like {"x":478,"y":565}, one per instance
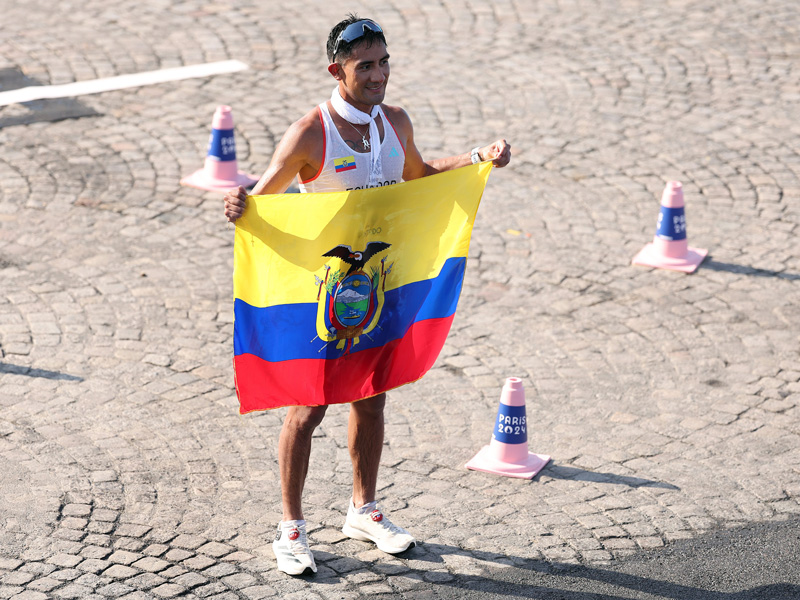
{"x":300,"y":545}
{"x":386,"y":523}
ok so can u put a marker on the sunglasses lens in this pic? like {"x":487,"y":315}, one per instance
{"x":355,"y":31}
{"x":358,"y":29}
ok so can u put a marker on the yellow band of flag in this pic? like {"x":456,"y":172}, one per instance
{"x":283,"y":237}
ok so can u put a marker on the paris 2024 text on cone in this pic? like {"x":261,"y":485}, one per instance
{"x":220,"y":173}
{"x":670,"y":247}
{"x":507,"y":453}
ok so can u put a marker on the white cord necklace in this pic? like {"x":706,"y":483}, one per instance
{"x":352,"y":115}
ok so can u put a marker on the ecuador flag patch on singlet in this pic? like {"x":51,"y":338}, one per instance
{"x":348,"y":163}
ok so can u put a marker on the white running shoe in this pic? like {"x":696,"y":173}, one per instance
{"x":374,"y":526}
{"x":291,"y":548}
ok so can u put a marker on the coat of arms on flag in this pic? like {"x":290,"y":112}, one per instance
{"x":341,"y":296}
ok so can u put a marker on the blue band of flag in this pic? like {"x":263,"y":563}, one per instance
{"x":288,"y":331}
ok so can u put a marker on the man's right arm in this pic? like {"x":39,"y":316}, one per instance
{"x":297,"y":149}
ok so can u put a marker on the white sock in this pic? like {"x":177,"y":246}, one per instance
{"x":292,"y":524}
{"x":366,"y":509}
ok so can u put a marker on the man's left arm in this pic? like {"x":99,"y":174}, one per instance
{"x":498,"y":152}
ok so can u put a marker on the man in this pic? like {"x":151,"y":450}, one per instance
{"x":353,"y":128}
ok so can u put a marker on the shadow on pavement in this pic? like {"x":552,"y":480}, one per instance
{"x":37,"y":111}
{"x":31,"y":372}
{"x":714,"y":265}
{"x":757,"y":561}
{"x":575,"y":474}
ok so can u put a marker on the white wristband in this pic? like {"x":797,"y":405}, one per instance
{"x":475,"y":156}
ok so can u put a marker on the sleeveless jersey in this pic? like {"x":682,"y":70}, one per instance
{"x":344,"y":169}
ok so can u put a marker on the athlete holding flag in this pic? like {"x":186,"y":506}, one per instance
{"x":351,"y":141}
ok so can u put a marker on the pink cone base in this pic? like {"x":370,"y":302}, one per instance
{"x":199,"y":179}
{"x":649,"y":256}
{"x":527,"y":468}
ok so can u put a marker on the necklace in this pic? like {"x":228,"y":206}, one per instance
{"x":363,"y":135}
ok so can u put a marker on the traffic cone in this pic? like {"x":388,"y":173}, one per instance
{"x":220,"y":171}
{"x":670,"y":248}
{"x":507,"y":453}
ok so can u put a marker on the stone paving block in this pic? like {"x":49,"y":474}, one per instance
{"x":172,"y":572}
{"x":114,"y":590}
{"x":31,"y":595}
{"x":215,"y":549}
{"x":258,"y":592}
{"x":16,"y":578}
{"x":177,"y":555}
{"x":219,"y":570}
{"x":151,"y":564}
{"x":38,"y":568}
{"x":129,"y":544}
{"x":123,"y":557}
{"x":120,"y":572}
{"x":93,"y":565}
{"x":210,"y":590}
{"x":167,"y":590}
{"x":145,"y":581}
{"x":100,"y":527}
{"x":44,"y":584}
{"x":76,"y":510}
{"x":137,"y":595}
{"x":190,"y":580}
{"x":64,"y":560}
{"x":188,"y":542}
{"x":72,"y":591}
{"x":131,"y":530}
{"x":239,"y":557}
{"x":199,"y":562}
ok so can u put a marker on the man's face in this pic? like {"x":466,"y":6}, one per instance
{"x":364,"y":75}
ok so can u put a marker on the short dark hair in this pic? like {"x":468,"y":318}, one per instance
{"x":346,"y":48}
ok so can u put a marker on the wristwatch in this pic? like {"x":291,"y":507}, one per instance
{"x":475,"y":156}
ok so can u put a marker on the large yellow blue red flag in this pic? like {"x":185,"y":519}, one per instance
{"x":341,"y":296}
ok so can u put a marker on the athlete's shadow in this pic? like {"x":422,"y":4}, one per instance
{"x":495,"y":575}
{"x":558,"y":581}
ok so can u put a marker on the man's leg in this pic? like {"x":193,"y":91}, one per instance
{"x":294,"y":449}
{"x":365,"y":440}
{"x":365,"y":521}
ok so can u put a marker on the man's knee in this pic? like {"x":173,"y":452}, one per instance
{"x":305,"y":417}
{"x":370,"y":407}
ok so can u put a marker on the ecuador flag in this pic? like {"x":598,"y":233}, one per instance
{"x":342,"y":296}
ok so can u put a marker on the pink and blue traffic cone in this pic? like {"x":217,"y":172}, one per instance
{"x":670,"y":247}
{"x":507,"y":453}
{"x":220,"y":173}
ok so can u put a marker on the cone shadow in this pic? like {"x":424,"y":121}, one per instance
{"x":575,"y":474}
{"x":714,"y":265}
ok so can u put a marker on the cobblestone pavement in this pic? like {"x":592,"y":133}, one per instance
{"x":670,"y":403}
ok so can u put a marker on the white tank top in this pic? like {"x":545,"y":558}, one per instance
{"x":344,"y":169}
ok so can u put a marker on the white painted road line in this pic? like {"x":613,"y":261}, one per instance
{"x":95,"y":86}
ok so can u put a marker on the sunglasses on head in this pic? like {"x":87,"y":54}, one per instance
{"x":355,"y":31}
